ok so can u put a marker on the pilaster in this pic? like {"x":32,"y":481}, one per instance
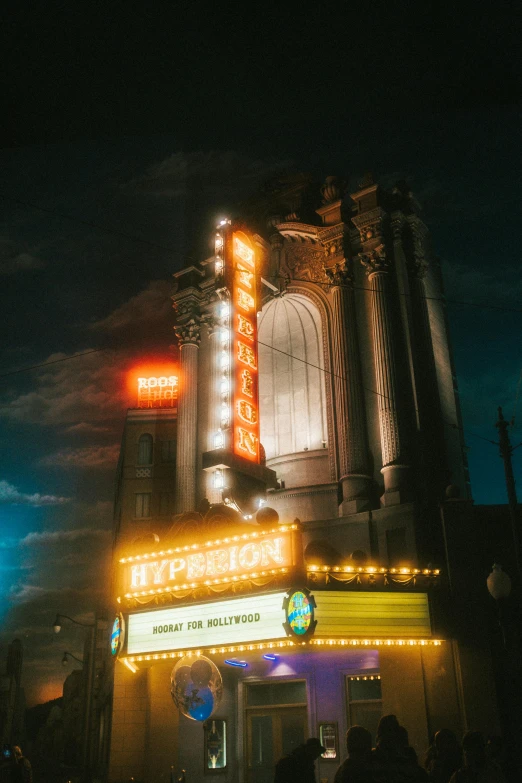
{"x":395,"y":470}
{"x":188,"y":334}
{"x":349,"y":400}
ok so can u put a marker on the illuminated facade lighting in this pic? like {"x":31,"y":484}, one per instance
{"x":284,"y":643}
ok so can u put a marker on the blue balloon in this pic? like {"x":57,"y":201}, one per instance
{"x":201,"y":704}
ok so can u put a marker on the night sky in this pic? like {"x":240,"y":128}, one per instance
{"x":126,"y":136}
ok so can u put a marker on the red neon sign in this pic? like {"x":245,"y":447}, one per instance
{"x":244,"y":348}
{"x":157,"y":391}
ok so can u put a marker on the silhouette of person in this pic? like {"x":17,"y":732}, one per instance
{"x":476,"y":768}
{"x":299,"y":765}
{"x":444,"y":756}
{"x":358,"y":766}
{"x":24,"y":765}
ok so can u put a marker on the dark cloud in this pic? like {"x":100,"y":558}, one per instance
{"x":14,"y":260}
{"x":216,"y":173}
{"x":87,"y":457}
{"x":150,"y":308}
{"x":84,"y":428}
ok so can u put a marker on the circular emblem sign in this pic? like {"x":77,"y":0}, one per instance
{"x":117,"y":635}
{"x":300,"y":613}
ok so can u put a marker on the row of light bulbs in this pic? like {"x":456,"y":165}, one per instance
{"x":289,"y":643}
{"x":217,"y":542}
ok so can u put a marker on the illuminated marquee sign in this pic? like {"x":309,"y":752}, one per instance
{"x":252,"y":619}
{"x":246,"y":555}
{"x":157,"y":391}
{"x":117,"y":635}
{"x":236,"y":282}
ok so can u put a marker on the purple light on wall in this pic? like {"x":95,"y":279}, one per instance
{"x":271,"y":657}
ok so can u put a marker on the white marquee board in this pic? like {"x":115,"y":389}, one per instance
{"x":237,"y":621}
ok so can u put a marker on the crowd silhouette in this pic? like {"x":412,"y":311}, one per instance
{"x":393,"y":760}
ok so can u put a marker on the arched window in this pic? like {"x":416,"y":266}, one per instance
{"x":291,"y":379}
{"x":145,"y":450}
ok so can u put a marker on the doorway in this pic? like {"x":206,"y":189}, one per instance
{"x":272,"y":733}
{"x":276,"y":721}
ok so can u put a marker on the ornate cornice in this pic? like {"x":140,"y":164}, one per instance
{"x":375,"y":261}
{"x":370,"y":224}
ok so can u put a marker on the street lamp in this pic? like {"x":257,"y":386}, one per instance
{"x":65,"y":660}
{"x":499,"y":588}
{"x":86,"y":740}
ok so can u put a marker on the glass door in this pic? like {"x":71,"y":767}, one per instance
{"x":272,"y":733}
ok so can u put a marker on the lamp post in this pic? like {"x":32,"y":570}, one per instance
{"x":86,"y":739}
{"x":499,"y":588}
{"x":67,"y":655}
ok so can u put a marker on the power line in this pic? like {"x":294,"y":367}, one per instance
{"x":453,"y":425}
{"x":89,"y":224}
{"x":53,"y":361}
{"x":118,"y":232}
{"x":366,"y":388}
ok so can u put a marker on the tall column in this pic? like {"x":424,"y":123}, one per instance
{"x":188,"y":335}
{"x":430,"y":415}
{"x":349,"y":400}
{"x":394,"y":468}
{"x":215,"y":374}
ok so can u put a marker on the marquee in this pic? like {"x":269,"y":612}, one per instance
{"x":235,"y":621}
{"x":249,"y":554}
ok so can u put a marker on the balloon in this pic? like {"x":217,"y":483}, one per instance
{"x":202,"y":704}
{"x":201,"y":672}
{"x":196,"y":687}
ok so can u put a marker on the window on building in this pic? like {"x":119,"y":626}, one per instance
{"x":145,"y":450}
{"x":276,"y":693}
{"x":143,"y":503}
{"x":168,"y":451}
{"x":364,"y":701}
{"x":166,"y":503}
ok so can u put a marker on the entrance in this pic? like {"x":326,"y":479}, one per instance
{"x":273,"y":731}
{"x":271,"y":734}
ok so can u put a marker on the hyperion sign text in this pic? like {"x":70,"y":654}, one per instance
{"x":239,"y":555}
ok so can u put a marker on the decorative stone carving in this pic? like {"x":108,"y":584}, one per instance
{"x":188,"y":333}
{"x":370,"y":224}
{"x":305,"y":262}
{"x":333,"y":189}
{"x":211,"y":322}
{"x":397,"y":226}
{"x":339,"y":274}
{"x":334,"y":248}
{"x":375,"y":260}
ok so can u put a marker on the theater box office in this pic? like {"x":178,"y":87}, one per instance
{"x":300,"y":649}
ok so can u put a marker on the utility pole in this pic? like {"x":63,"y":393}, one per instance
{"x":506,"y":451}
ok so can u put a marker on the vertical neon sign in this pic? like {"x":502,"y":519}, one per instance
{"x":244,"y":326}
{"x":236,"y":283}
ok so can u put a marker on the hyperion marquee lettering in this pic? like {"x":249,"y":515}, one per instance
{"x":249,"y":556}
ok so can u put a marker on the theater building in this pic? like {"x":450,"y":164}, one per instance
{"x":318,"y":548}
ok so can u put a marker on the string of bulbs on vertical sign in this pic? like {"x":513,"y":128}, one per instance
{"x":236,"y":284}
